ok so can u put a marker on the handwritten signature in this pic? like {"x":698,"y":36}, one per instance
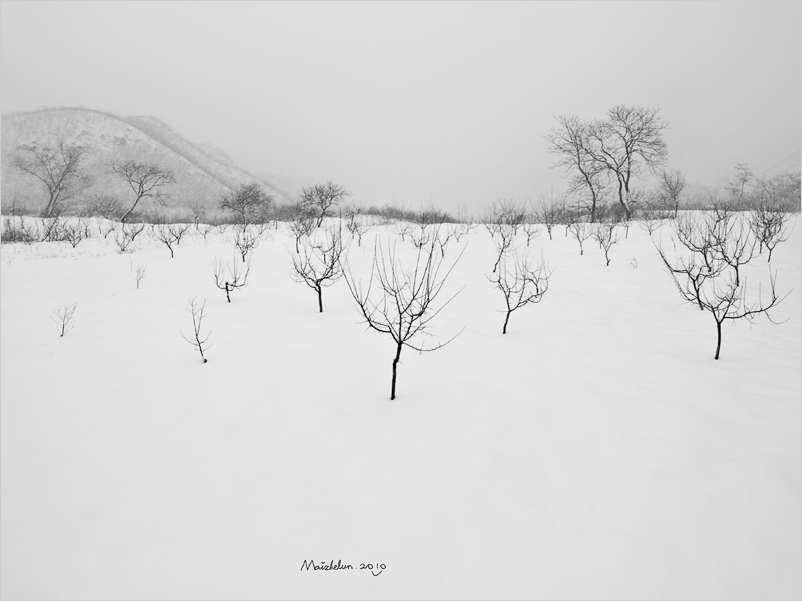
{"x":309,"y":564}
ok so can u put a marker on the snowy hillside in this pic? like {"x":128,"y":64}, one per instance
{"x":597,"y":450}
{"x":202,"y":174}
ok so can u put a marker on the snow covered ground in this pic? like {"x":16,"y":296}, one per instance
{"x":596,"y":450}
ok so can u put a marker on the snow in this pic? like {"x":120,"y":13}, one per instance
{"x":597,"y":450}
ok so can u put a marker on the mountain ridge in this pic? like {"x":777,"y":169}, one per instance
{"x":203,"y":172}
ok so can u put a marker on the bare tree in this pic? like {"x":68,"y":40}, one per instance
{"x":103,"y":205}
{"x":106,"y":227}
{"x":775,"y":198}
{"x":465,"y":223}
{"x":705,"y":279}
{"x":323,"y":197}
{"x":503,"y":214}
{"x":199,"y":213}
{"x":421,"y":235}
{"x":235,"y":278}
{"x":17,"y":229}
{"x":302,"y":223}
{"x":570,"y":140}
{"x":249,"y":203}
{"x":245,"y":240}
{"x":167,"y":235}
{"x":607,"y":236}
{"x":552,"y":207}
{"x":50,"y":229}
{"x":355,"y":225}
{"x":126,"y":235}
{"x":58,"y":168}
{"x":581,"y":231}
{"x":441,"y":237}
{"x":198,"y":341}
{"x":145,"y":179}
{"x":669,"y":188}
{"x":770,"y":228}
{"x":403,"y":302}
{"x":140,"y":274}
{"x":64,"y":318}
{"x":76,"y":232}
{"x":531,"y":227}
{"x":631,"y":136}
{"x":319,"y":266}
{"x":404,"y":229}
{"x":522,"y":285}
{"x":737,"y":187}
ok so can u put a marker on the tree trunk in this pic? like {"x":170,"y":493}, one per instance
{"x":395,"y":364}
{"x":320,"y":299}
{"x":718,"y":344}
{"x":621,"y":200}
{"x":128,"y":212}
{"x":51,"y":205}
{"x":506,"y":321}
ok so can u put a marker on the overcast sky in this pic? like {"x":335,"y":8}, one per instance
{"x":409,"y":102}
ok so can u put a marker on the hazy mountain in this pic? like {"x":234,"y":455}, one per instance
{"x":790,"y":164}
{"x":203,"y":173}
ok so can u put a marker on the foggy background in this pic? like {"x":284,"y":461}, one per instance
{"x":419,"y":102}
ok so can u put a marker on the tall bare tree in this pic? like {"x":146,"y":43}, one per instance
{"x":629,"y":139}
{"x":145,"y":179}
{"x":570,"y":140}
{"x":58,"y":167}
{"x":669,"y":188}
{"x":249,"y":203}
{"x":322,"y":198}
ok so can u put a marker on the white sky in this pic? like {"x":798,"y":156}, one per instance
{"x":412,"y":102}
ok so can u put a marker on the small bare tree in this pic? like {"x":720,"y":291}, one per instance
{"x":245,"y":240}
{"x":64,"y":318}
{"x":236,"y":278}
{"x":75,"y":232}
{"x":302,"y":223}
{"x":707,"y":280}
{"x":126,"y":235}
{"x":531,"y":228}
{"x":319,"y":265}
{"x":140,"y":274}
{"x":51,"y":229}
{"x":581,"y":231}
{"x":404,"y":229}
{"x":355,"y":225}
{"x":521,"y":285}
{"x":769,"y":224}
{"x":198,"y":341}
{"x":402,"y":304}
{"x":165,"y":234}
{"x":421,"y":235}
{"x":106,"y":227}
{"x":607,"y":236}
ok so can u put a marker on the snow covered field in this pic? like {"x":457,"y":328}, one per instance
{"x":594,"y":451}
